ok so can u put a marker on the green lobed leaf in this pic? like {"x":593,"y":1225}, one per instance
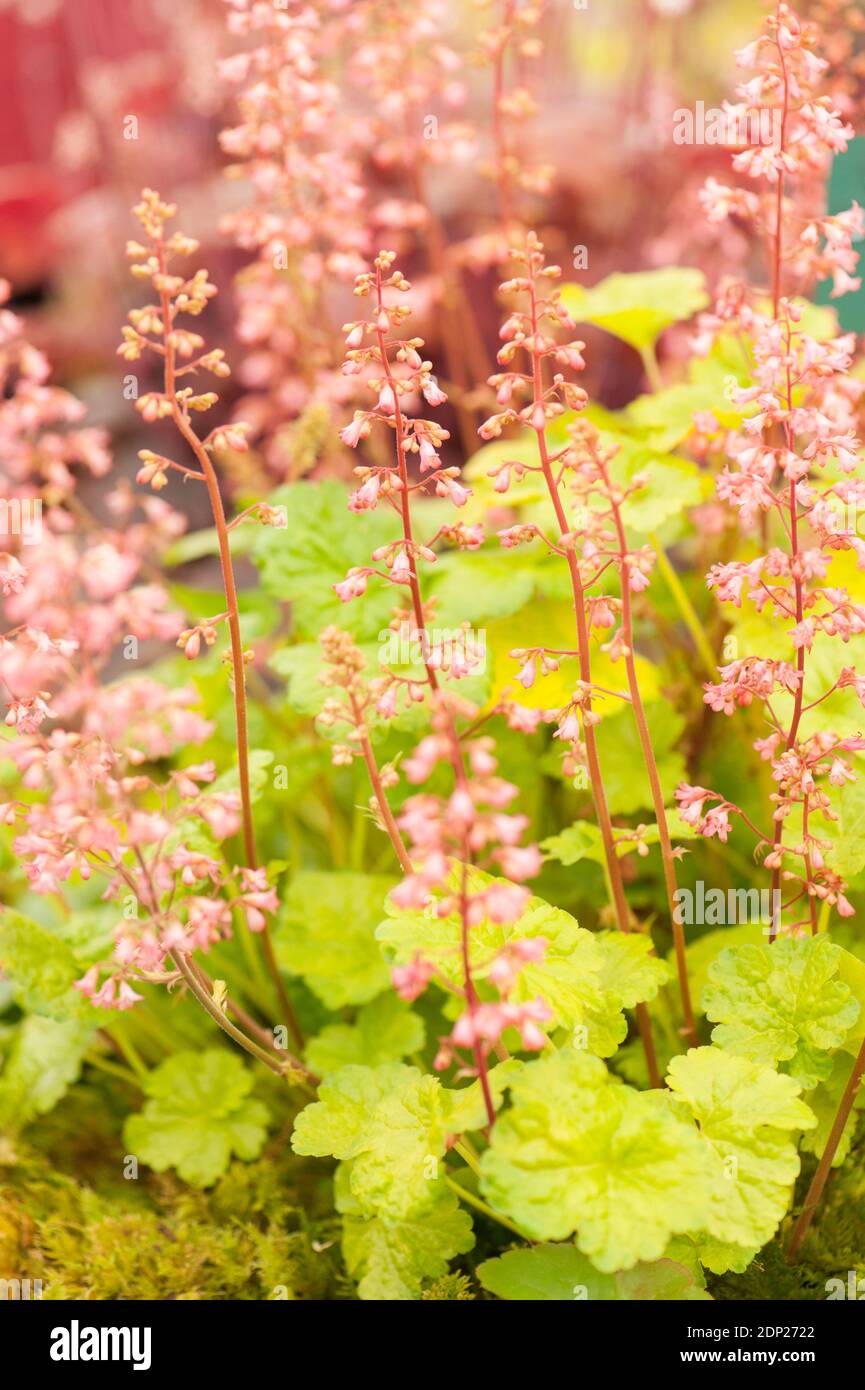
{"x":782,"y":1003}
{"x":300,"y":563}
{"x":43,"y":1062}
{"x":561,"y":1273}
{"x":639,"y":306}
{"x":578,"y":1151}
{"x":326,"y":933}
{"x":746,"y":1113}
{"x":197,"y":1116}
{"x":390,"y":1257}
{"x":393,"y":1122}
{"x":43,"y":970}
{"x":385,"y":1030}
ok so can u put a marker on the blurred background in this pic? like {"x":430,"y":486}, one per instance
{"x":101,"y":97}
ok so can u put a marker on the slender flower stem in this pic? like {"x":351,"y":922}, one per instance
{"x":210,"y":1006}
{"x":181,"y":421}
{"x":614,"y":868}
{"x":651,"y":766}
{"x":471,"y":992}
{"x":383,"y":805}
{"x":481,"y":1206}
{"x":456,"y":751}
{"x":818,"y":1182}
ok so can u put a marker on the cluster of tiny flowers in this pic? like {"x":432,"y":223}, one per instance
{"x":509,"y":37}
{"x":443,"y":835}
{"x":406,"y":71}
{"x":73,"y":601}
{"x":297,"y":147}
{"x":398,"y":376}
{"x":474,"y":818}
{"x":807,"y":131}
{"x":69,"y":596}
{"x":181,"y":353}
{"x":104,"y":818}
{"x":532,"y":399}
{"x":799,"y":417}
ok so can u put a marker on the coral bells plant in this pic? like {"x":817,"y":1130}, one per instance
{"x":446,"y":834}
{"x":155,"y":328}
{"x":479,"y":811}
{"x":791,"y":473}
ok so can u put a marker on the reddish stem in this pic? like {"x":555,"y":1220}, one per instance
{"x":605,"y":824}
{"x":818,"y":1182}
{"x":211,"y":481}
{"x":652,"y":770}
{"x":420,"y":623}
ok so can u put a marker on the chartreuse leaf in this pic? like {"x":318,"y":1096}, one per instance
{"x":630,"y":975}
{"x":198,"y":1114}
{"x":586,"y":979}
{"x":393,"y":1122}
{"x":43,"y":1061}
{"x":385,"y":1031}
{"x":848,"y":833}
{"x":782,"y":1003}
{"x":671,"y":484}
{"x":578,"y":1151}
{"x":745,"y":1112}
{"x":300,"y":563}
{"x":666,"y":417}
{"x":531,"y":489}
{"x":577,"y":842}
{"x":43,"y":970}
{"x":505,"y":635}
{"x":638,"y":307}
{"x":703,"y":953}
{"x":824,"y":1101}
{"x":563,"y":1274}
{"x":326,"y":933}
{"x":391,"y":1256}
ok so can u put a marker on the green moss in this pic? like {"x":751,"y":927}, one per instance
{"x":451,"y":1288}
{"x":257,"y":1235}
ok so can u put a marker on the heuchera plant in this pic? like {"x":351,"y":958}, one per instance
{"x":387,"y":853}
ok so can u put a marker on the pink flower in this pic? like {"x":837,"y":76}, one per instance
{"x":222,"y":814}
{"x":353,"y":586}
{"x":410,"y":981}
{"x":433,"y":394}
{"x":352,"y":434}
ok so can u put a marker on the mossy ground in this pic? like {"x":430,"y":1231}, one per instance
{"x":267,"y":1229}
